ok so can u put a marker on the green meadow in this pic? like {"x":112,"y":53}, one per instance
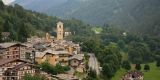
{"x":153,"y":74}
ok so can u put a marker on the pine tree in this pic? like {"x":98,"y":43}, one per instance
{"x":138,"y":67}
{"x":1,"y":5}
{"x":158,"y":63}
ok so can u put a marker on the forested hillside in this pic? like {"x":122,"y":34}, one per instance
{"x":140,"y":16}
{"x":23,"y":23}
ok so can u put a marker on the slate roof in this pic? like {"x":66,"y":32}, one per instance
{"x":22,"y":65}
{"x":59,"y":22}
{"x":39,"y":46}
{"x":77,"y":56}
{"x":41,"y":54}
{"x":5,"y":61}
{"x":6,"y":45}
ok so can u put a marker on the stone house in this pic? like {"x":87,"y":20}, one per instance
{"x":47,"y":55}
{"x":63,"y":57}
{"x":15,"y":69}
{"x":19,"y":71}
{"x":39,"y":47}
{"x":12,"y":50}
{"x":77,"y":62}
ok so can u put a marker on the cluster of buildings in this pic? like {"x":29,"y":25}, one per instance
{"x":17,"y":59}
{"x":133,"y":75}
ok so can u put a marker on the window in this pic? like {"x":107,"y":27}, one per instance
{"x":22,"y":72}
{"x":15,"y":48}
{"x":60,"y":26}
{"x":7,"y":52}
{"x":14,"y":52}
{"x":75,"y":61}
{"x":17,"y":56}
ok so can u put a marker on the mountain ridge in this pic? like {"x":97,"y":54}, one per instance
{"x":126,"y":14}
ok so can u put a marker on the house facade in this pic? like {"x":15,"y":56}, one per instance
{"x":12,"y":50}
{"x":77,"y":62}
{"x":15,"y":69}
{"x":63,"y":57}
{"x":18,"y":72}
{"x":48,"y":56}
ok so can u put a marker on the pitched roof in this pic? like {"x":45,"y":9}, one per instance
{"x":39,"y":46}
{"x":28,"y":44}
{"x":6,"y":45}
{"x":77,"y":56}
{"x":5,"y":61}
{"x":61,"y":52}
{"x":22,"y":65}
{"x":59,"y":22}
{"x":41,"y":54}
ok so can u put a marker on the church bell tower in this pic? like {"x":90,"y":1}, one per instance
{"x":60,"y":31}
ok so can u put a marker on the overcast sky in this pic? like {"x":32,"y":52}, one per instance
{"x":7,"y":1}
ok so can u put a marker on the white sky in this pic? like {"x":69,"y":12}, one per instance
{"x":7,"y":1}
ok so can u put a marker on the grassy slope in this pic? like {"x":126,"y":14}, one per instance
{"x":119,"y":74}
{"x":153,"y":74}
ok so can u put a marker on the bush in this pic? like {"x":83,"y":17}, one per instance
{"x":126,"y":65}
{"x":34,"y":77}
{"x":146,"y":67}
{"x":54,"y":69}
{"x":158,"y":64}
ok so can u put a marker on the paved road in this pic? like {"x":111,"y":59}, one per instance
{"x":93,"y":63}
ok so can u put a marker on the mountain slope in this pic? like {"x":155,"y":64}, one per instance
{"x":128,"y":14}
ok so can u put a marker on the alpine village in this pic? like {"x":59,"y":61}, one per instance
{"x":36,"y":46}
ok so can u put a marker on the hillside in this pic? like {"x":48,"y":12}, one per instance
{"x":135,"y":15}
{"x":23,"y":23}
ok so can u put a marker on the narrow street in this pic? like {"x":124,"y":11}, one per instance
{"x":93,"y":63}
